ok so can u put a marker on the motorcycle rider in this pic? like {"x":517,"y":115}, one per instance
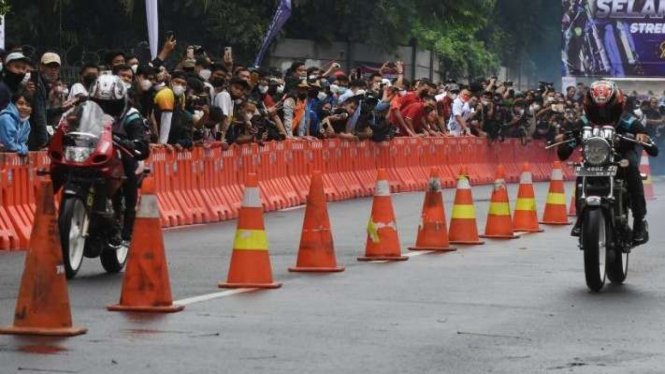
{"x":131,"y":132}
{"x":605,"y":104}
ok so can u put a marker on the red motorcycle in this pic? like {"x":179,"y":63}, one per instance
{"x":86,"y":164}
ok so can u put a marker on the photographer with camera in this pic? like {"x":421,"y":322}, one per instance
{"x":516,"y":122}
{"x":336,"y":124}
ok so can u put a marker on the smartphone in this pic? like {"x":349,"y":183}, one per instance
{"x":190,"y":53}
{"x":228,"y":52}
{"x":169,"y":34}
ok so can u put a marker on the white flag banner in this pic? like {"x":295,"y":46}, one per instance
{"x":153,"y":25}
{"x":2,"y":32}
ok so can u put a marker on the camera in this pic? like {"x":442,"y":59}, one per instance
{"x":508,"y":83}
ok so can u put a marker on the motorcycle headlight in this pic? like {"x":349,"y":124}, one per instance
{"x":77,"y":154}
{"x":597,"y":151}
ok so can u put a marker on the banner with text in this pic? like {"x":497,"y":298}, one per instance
{"x":613,"y":38}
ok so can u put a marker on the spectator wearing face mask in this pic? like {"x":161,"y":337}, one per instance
{"x":265,"y":91}
{"x":114,"y":58}
{"x":169,"y":107}
{"x":336,"y":124}
{"x":15,"y":125}
{"x":144,"y":86}
{"x":227,"y":99}
{"x":460,"y":112}
{"x":87,"y":76}
{"x":125,"y":73}
{"x":15,"y":69}
{"x":295,"y":75}
{"x":295,"y":109}
{"x":49,"y":72}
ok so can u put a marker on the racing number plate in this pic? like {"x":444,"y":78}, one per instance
{"x":596,"y":171}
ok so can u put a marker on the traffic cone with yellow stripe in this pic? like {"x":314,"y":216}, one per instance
{"x":499,"y":222}
{"x":146,"y":286}
{"x":433,"y":231}
{"x":382,"y":237}
{"x":648,"y":184}
{"x":463,"y":225}
{"x":555,"y":207}
{"x":526,"y":215}
{"x":317,"y":251}
{"x":250,"y":261}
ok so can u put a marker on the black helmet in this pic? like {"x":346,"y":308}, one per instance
{"x":604,"y":103}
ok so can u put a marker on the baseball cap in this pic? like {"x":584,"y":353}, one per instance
{"x":16,"y":56}
{"x":50,"y":58}
{"x":190,"y":63}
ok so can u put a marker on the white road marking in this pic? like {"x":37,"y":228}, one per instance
{"x":185,"y":227}
{"x":292,"y":208}
{"x":212,"y":296}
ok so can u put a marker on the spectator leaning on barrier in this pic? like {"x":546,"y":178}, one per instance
{"x":14,"y":123}
{"x":295,"y":108}
{"x":460,"y":113}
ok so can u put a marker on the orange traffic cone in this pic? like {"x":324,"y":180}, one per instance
{"x":432,"y":231}
{"x":146,"y":286}
{"x":526,"y":215}
{"x":572,"y":212}
{"x":648,"y":184}
{"x":499,"y":222}
{"x":555,"y":207}
{"x":382,"y":237}
{"x":463,"y":226}
{"x":250,"y":261}
{"x":43,"y":301}
{"x":317,"y":251}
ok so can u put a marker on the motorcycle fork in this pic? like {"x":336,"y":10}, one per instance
{"x":89,"y":202}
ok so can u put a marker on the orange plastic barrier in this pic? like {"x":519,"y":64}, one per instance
{"x":205,"y":184}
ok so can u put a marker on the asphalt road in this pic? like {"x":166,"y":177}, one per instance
{"x":506,"y":307}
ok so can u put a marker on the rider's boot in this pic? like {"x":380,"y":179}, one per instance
{"x":640,"y":231}
{"x":128,"y":226}
{"x":577,"y":228}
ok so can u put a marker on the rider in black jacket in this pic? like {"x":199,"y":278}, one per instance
{"x":604,"y":104}
{"x":131,"y":132}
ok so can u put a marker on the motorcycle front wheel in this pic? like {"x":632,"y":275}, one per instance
{"x":73,"y":214}
{"x":594,"y":242}
{"x":114,"y":259}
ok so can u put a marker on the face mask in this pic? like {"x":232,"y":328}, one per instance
{"x":1,"y":67}
{"x":238,"y":101}
{"x":280,"y":89}
{"x":205,"y":74}
{"x":453,"y":96}
{"x":322,"y":96}
{"x":313,"y":77}
{"x":160,"y":85}
{"x":519,"y":112}
{"x":135,"y":68}
{"x":178,"y":90}
{"x":145,"y":85}
{"x":65,"y":91}
{"x":23,"y":119}
{"x":465,"y":98}
{"x":263,"y":89}
{"x":89,"y":79}
{"x":127,"y":85}
{"x":248,"y":117}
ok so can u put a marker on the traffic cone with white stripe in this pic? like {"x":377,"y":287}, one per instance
{"x":250,"y":261}
{"x":382,"y":236}
{"x":648,"y":183}
{"x":555,"y":207}
{"x":499,"y":222}
{"x":317,"y":251}
{"x":463,"y":225}
{"x":146,"y":286}
{"x":525,"y":218}
{"x":433,"y":231}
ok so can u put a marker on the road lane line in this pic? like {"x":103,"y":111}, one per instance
{"x":212,"y":296}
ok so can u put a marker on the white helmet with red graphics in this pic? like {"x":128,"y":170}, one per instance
{"x":604,"y":103}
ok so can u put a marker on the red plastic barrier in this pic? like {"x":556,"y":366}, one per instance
{"x":18,"y":195}
{"x":8,"y":237}
{"x":364,"y":166}
{"x":205,"y":166}
{"x":332,"y":160}
{"x":297,"y":168}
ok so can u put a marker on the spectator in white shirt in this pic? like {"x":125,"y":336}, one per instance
{"x":87,"y":76}
{"x":460,"y":113}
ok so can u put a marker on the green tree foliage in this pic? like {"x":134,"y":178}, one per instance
{"x":472,"y":37}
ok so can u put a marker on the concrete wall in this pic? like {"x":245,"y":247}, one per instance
{"x":288,"y":50}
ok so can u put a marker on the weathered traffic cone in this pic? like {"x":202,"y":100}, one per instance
{"x":433,"y":231}
{"x":526,"y":216}
{"x":499,"y":221}
{"x":382,"y":236}
{"x":463,"y":225}
{"x":317,"y":251}
{"x":648,"y":183}
{"x":555,"y":207}
{"x":250,"y":261}
{"x":43,"y":306}
{"x":146,"y":286}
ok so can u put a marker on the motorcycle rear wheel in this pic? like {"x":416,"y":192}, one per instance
{"x":594,"y":242}
{"x":72,"y":217}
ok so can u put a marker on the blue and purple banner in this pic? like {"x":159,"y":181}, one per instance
{"x":281,"y":16}
{"x":613,"y":38}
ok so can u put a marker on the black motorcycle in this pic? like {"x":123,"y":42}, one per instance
{"x":602,"y":192}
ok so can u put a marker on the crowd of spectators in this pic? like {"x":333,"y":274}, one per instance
{"x":203,"y":100}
